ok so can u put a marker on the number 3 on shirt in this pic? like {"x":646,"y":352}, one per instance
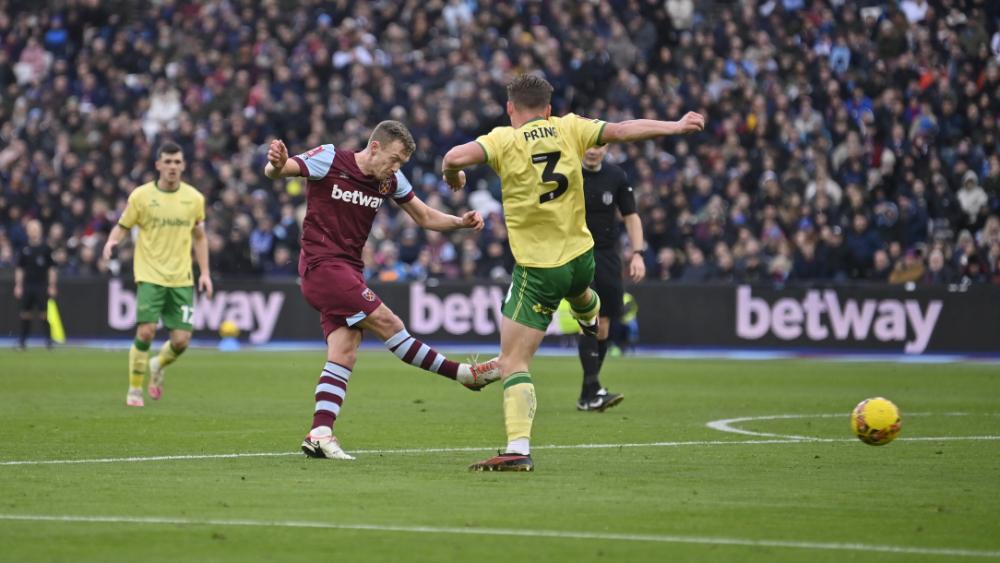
{"x":549,"y":174}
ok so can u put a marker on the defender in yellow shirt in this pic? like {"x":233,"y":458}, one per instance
{"x":170,"y":217}
{"x":538,"y":159}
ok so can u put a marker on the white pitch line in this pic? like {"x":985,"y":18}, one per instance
{"x":557,"y":534}
{"x":390,"y":451}
{"x":717,"y":425}
{"x":727,"y":425}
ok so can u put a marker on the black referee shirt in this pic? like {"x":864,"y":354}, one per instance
{"x":36,"y":261}
{"x":606,"y":190}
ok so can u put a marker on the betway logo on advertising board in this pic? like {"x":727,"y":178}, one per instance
{"x":457,"y":313}
{"x":254,"y":312}
{"x":822,"y":315}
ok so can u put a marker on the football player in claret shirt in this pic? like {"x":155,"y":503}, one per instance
{"x":170,"y":216}
{"x":538,"y":159}
{"x":343,"y":193}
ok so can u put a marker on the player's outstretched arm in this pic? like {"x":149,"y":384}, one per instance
{"x":459,"y":158}
{"x":200,"y":244}
{"x":642,"y":129}
{"x":117,"y":234}
{"x":278,"y":164}
{"x":636,"y":265}
{"x":430,"y":218}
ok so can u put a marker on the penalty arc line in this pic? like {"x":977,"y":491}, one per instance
{"x":510,"y":532}
{"x":779,"y":439}
{"x":727,"y":425}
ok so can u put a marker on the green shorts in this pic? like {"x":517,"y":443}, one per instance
{"x":174,"y":304}
{"x":535,"y":293}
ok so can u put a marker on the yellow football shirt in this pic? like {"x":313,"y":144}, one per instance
{"x":540,"y":169}
{"x":165,"y":220}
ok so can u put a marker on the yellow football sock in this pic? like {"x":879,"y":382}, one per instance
{"x":167,"y":354}
{"x":519,"y":406}
{"x":138,"y":362}
{"x":588,"y":310}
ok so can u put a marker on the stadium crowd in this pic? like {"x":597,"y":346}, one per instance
{"x":845,"y":140}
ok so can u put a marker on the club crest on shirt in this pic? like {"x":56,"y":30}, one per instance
{"x":607,"y":198}
{"x":368,"y":294}
{"x":385,"y":186}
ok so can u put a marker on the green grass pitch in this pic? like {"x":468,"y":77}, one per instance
{"x":657,"y":485}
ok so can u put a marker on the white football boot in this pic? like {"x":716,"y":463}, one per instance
{"x":134,"y":398}
{"x":321,"y":443}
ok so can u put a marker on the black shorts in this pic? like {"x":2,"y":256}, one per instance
{"x":608,"y":281}
{"x":35,"y":297}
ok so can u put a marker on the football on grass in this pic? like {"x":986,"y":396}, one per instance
{"x":876,"y":421}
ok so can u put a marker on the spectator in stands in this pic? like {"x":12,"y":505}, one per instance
{"x":262,"y":241}
{"x":667,"y":267}
{"x":881,"y":266}
{"x":862,"y":241}
{"x":390,"y":269}
{"x":287,"y":231}
{"x":419,"y":270}
{"x":835,"y":254}
{"x":881,"y":109}
{"x":751,"y":267}
{"x":779,"y":268}
{"x":724,"y":268}
{"x":284,"y":263}
{"x":991,"y":184}
{"x":938,"y":272}
{"x":410,"y":245}
{"x":973,"y":200}
{"x":696,"y":270}
{"x":993,"y":263}
{"x":908,"y":270}
{"x":974,"y":270}
{"x":806,"y":264}
{"x":492,"y":264}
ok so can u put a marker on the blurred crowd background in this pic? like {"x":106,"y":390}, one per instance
{"x":846,"y":140}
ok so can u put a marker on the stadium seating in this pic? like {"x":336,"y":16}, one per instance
{"x":846,"y":140}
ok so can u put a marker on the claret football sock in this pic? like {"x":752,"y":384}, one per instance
{"x":416,"y":353}
{"x":330,"y":393}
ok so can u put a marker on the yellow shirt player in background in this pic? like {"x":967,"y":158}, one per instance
{"x":170,"y":216}
{"x":538,"y":159}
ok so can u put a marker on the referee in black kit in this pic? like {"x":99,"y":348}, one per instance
{"x":607,"y":191}
{"x":35,"y":280}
